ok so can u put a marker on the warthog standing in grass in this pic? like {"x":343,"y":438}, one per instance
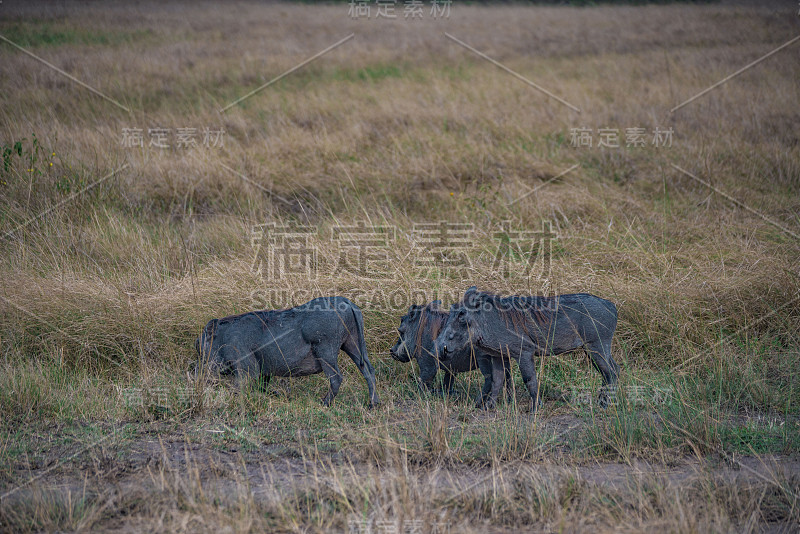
{"x":298,"y":341}
{"x":522,"y":327}
{"x":418,"y":330}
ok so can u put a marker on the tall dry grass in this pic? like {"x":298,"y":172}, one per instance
{"x":401,"y":126}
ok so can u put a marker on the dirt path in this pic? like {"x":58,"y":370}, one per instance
{"x":269,"y":471}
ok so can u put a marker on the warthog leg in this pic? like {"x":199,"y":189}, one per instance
{"x":447,"y":382}
{"x":427,"y":374}
{"x":498,"y":381}
{"x":350,"y":347}
{"x":600,"y":356}
{"x":246,"y":368}
{"x":331,"y":370}
{"x":485,"y":365}
{"x":528,"y":371}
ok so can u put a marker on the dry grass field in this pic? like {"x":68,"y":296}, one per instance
{"x":115,"y":255}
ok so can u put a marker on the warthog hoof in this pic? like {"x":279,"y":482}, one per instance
{"x":607,"y":396}
{"x":486,"y":404}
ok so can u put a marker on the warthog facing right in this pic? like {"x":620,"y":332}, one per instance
{"x":298,"y":341}
{"x":522,"y":327}
{"x":418,"y":330}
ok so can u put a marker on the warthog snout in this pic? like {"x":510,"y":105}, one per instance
{"x":399,"y":351}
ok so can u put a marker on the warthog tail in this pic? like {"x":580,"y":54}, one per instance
{"x":363,"y":361}
{"x":362,"y":343}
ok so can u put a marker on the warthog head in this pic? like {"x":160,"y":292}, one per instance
{"x":462,"y":328}
{"x":418,"y":328}
{"x":405,"y":347}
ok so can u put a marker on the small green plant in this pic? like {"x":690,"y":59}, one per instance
{"x":25,"y":158}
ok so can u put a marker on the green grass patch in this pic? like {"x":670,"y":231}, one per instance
{"x":43,"y":34}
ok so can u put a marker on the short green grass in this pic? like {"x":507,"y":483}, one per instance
{"x":48,"y":34}
{"x":103,"y":295}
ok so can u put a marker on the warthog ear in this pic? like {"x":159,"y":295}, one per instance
{"x":471,"y":297}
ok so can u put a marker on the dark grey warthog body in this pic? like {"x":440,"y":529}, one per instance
{"x":298,"y":341}
{"x":523,"y":327}
{"x":418,"y":331}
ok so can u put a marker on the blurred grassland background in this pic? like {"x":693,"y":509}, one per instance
{"x":400,"y":125}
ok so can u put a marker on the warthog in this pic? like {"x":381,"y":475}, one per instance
{"x":298,"y":341}
{"x":522,"y":327}
{"x":418,"y":330}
